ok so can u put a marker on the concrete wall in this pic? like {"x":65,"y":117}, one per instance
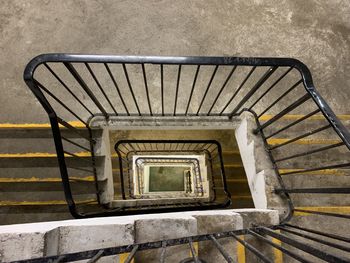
{"x":317,"y":32}
{"x":261,"y":176}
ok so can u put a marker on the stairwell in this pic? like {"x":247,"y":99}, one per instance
{"x":32,"y":189}
{"x":285,"y":154}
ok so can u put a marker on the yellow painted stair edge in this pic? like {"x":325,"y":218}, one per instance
{"x":39,"y":203}
{"x":75,"y":124}
{"x":343,"y":117}
{"x":46,"y":180}
{"x":276,"y":141}
{"x":326,"y":209}
{"x":41,"y":155}
{"x":321,"y":172}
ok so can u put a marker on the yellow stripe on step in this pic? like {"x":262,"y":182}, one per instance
{"x":233,"y":165}
{"x":195,"y":246}
{"x":45,"y":180}
{"x":278,"y":255}
{"x":75,"y":124}
{"x":123,"y":257}
{"x":38,"y":203}
{"x":327,"y":209}
{"x":223,"y":152}
{"x":321,"y":172}
{"x":230,"y":165}
{"x":304,"y":141}
{"x":240,"y":251}
{"x":293,"y":117}
{"x":41,"y":155}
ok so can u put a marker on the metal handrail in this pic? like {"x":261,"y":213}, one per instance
{"x":42,"y":92}
{"x":126,"y":149}
{"x":141,"y":161}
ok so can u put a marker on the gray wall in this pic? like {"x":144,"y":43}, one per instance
{"x":317,"y":32}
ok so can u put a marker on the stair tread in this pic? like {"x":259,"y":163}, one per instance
{"x":44,"y":202}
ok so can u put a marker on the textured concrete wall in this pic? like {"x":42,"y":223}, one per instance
{"x":316,"y":32}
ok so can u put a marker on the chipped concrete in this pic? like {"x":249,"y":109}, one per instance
{"x":262,"y":178}
{"x":214,"y":222}
{"x":104,"y":172}
{"x":165,"y":227}
{"x":51,"y":238}
{"x":21,"y":246}
{"x":79,"y":238}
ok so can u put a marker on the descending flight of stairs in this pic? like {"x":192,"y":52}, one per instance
{"x":30,"y":181}
{"x":235,"y":175}
{"x":31,"y":187}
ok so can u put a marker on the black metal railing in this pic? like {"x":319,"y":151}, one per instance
{"x":262,"y":233}
{"x":102,"y":85}
{"x":193,"y":163}
{"x":95,"y":255}
{"x":209,"y":149}
{"x":82,"y":87}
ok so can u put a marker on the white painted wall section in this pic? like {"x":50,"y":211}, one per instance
{"x":256,"y":180}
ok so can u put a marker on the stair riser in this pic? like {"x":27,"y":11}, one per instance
{"x":42,"y":188}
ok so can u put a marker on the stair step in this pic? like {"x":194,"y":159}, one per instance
{"x":241,"y":202}
{"x":329,"y":157}
{"x":233,"y":181}
{"x":42,"y":145}
{"x":40,"y":130}
{"x":22,"y":146}
{"x":38,"y":172}
{"x":30,"y":204}
{"x":40,"y":159}
{"x":276,"y":141}
{"x":320,"y":199}
{"x":326,"y":209}
{"x":231,"y":156}
{"x":309,"y":124}
{"x":78,"y":187}
{"x":300,"y":181}
{"x":294,"y":117}
{"x":28,"y":212}
{"x":156,"y":201}
{"x":45,"y":179}
{"x":336,"y":178}
{"x":238,"y":189}
{"x":18,"y":215}
{"x":11,"y":198}
{"x":337,"y":172}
